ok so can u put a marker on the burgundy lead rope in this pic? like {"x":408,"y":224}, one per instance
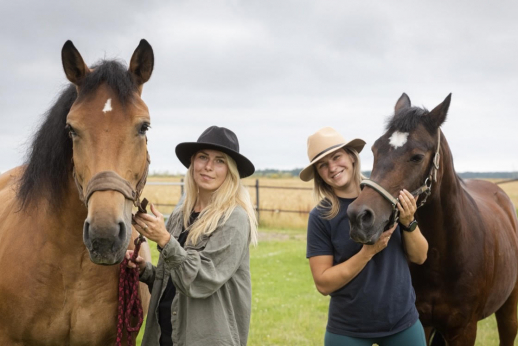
{"x":129,"y":301}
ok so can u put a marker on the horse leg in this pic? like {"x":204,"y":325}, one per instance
{"x":507,"y":321}
{"x":465,"y":336}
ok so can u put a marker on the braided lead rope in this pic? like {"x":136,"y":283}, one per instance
{"x":129,"y":301}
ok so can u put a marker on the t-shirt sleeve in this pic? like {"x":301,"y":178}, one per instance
{"x":319,"y":237}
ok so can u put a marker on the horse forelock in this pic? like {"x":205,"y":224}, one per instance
{"x":408,"y":119}
{"x":116,"y":75}
{"x":49,"y":157}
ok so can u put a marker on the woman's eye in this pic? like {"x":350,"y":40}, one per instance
{"x":417,"y":158}
{"x":70,"y":130}
{"x":220,"y":161}
{"x":143,"y":128}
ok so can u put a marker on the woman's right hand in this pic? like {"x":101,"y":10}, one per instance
{"x":381,"y":244}
{"x":141,"y":262}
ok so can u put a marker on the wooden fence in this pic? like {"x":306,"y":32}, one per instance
{"x":257,"y":188}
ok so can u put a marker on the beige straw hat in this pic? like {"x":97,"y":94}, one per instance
{"x":324,"y":142}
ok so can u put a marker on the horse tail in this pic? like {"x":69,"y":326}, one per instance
{"x":436,"y":339}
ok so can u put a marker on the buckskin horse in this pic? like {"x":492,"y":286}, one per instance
{"x":471,"y":227}
{"x":66,"y":213}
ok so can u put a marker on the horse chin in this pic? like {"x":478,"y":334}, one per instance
{"x":367,"y":237}
{"x":107,"y":259}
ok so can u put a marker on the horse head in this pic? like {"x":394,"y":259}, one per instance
{"x":107,"y":124}
{"x":405,"y":157}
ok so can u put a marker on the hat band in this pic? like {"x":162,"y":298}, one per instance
{"x":323,"y":151}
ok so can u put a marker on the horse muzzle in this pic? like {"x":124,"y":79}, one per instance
{"x":369,"y":216}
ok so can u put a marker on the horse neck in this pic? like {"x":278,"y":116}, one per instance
{"x":65,"y":222}
{"x":439,"y":216}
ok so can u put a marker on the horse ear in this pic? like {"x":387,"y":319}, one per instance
{"x":439,"y":113}
{"x":142,"y":61}
{"x":73,"y":64}
{"x":403,"y":102}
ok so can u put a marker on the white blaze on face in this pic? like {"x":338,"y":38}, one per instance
{"x":398,"y":139}
{"x":107,"y":106}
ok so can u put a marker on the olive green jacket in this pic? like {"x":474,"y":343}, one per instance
{"x":212,"y":305}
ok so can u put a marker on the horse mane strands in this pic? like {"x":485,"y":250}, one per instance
{"x":407,"y":120}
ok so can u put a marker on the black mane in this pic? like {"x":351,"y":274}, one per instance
{"x":49,"y":158}
{"x":407,"y":120}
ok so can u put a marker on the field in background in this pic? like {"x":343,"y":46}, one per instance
{"x":277,"y":199}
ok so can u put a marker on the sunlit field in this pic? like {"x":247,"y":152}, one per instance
{"x":299,"y":201}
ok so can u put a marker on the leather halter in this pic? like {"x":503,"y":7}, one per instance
{"x":425,"y":189}
{"x":111,"y":181}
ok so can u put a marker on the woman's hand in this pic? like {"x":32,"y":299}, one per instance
{"x":407,"y":207}
{"x":152,"y":227}
{"x":141,"y":262}
{"x":381,"y":244}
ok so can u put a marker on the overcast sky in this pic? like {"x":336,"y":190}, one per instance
{"x":274,"y":72}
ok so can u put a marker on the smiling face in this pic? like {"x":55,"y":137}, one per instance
{"x":336,"y":169}
{"x":210,"y":169}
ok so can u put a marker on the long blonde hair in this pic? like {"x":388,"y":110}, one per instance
{"x":223,"y":201}
{"x":324,"y":194}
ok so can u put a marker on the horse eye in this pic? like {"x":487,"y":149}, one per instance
{"x":70,"y":130}
{"x":417,"y":158}
{"x":143,"y":128}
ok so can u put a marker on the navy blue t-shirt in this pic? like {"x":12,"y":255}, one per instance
{"x":380,"y":300}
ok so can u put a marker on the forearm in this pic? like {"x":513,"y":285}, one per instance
{"x":335,"y":277}
{"x":416,"y":246}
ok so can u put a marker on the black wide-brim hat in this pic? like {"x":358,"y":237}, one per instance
{"x":216,"y":138}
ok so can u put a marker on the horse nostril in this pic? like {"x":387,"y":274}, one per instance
{"x":366,"y":218}
{"x":86,"y":233}
{"x":122,"y":231}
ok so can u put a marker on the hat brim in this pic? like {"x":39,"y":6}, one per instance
{"x":184,"y":152}
{"x":308,"y":172}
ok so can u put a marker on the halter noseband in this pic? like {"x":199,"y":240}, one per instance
{"x":425,"y":189}
{"x":111,"y":181}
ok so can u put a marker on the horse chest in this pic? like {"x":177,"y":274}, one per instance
{"x":63,"y":306}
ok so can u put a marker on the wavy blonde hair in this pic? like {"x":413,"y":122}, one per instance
{"x":223,"y":201}
{"x":324,"y":194}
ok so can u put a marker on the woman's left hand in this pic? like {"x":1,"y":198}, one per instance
{"x":407,"y":207}
{"x":152,"y":227}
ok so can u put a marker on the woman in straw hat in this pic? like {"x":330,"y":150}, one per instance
{"x":372,"y":298}
{"x":201,"y":288}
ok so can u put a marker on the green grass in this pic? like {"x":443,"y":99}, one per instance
{"x":286,"y":307}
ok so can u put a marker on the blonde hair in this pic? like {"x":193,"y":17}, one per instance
{"x":223,"y":201}
{"x":324,"y":194}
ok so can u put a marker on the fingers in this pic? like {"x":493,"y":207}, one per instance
{"x":155,"y":211}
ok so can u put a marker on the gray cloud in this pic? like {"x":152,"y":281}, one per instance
{"x":276,"y":71}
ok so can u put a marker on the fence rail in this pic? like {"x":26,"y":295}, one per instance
{"x":256,"y":186}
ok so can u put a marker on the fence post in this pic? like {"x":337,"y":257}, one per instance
{"x":257,"y":198}
{"x":181,"y":187}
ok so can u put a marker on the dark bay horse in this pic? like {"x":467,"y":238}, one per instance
{"x":66,"y":214}
{"x":471,"y":227}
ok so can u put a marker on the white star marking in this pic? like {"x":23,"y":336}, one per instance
{"x":398,"y":139}
{"x":107,"y":106}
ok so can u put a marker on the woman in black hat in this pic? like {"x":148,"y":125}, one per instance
{"x":201,"y":288}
